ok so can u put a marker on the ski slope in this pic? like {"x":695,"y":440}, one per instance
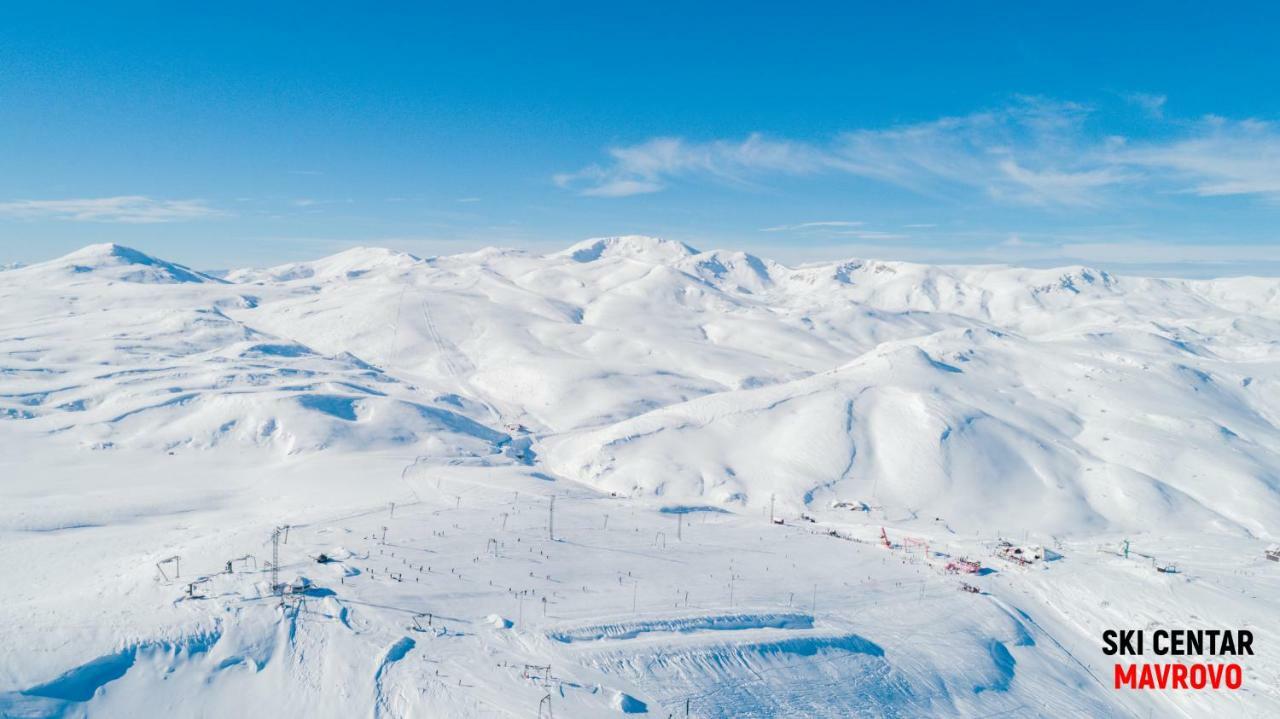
{"x":669,"y":400}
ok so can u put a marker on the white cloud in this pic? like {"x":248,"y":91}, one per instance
{"x":813,"y":225}
{"x":1220,"y":157}
{"x":1053,"y":187}
{"x":648,"y":166}
{"x":1023,"y":154}
{"x":1033,"y":152}
{"x":133,"y":209}
{"x":621,"y":187}
{"x":1150,"y":103}
{"x":873,"y":235}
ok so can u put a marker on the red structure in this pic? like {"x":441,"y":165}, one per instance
{"x":964,"y":566}
{"x":912,"y":542}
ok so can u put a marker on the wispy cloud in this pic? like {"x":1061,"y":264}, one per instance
{"x":1149,"y":103}
{"x":874,"y":235}
{"x":1220,"y":157}
{"x":834,"y":230}
{"x":1055,"y":187}
{"x":813,"y":225}
{"x":649,"y":166}
{"x":134,"y":209}
{"x":1033,"y":152}
{"x":1025,"y":153}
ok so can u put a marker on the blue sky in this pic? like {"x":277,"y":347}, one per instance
{"x":1134,"y":136}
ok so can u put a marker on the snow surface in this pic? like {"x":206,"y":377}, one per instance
{"x":666,"y":398}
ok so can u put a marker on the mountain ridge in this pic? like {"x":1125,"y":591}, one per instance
{"x":610,"y":353}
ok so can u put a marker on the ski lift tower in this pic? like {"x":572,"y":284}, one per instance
{"x":276,"y":587}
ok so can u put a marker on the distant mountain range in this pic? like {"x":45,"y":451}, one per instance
{"x":976,"y":394}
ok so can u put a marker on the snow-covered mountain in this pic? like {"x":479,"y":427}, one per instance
{"x":647,"y":367}
{"x":110,"y":347}
{"x":961,"y":402}
{"x":111,"y":263}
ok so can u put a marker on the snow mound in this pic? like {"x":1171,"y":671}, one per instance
{"x":350,"y":264}
{"x":634,"y":247}
{"x":627,"y":704}
{"x":114,"y":263}
{"x":498,"y":622}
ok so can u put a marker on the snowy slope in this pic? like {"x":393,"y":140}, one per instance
{"x":667,"y":398}
{"x":110,"y":263}
{"x":109,"y":348}
{"x":648,"y":367}
{"x":978,"y":427}
{"x":641,"y":360}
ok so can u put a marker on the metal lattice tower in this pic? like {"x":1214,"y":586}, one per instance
{"x":275,"y":563}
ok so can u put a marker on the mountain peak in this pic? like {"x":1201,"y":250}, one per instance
{"x":125,"y":264}
{"x":636,"y":247}
{"x":370,"y":255}
{"x":350,"y":264}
